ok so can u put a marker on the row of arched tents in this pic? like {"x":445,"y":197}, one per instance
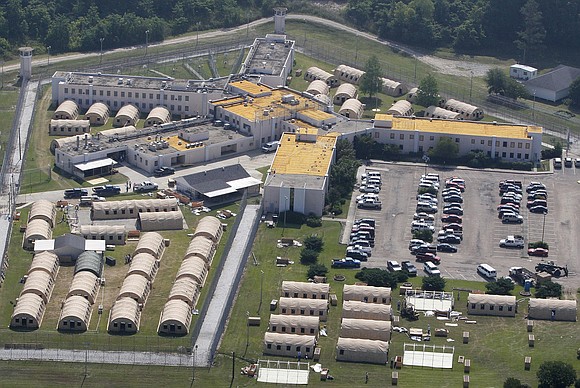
{"x":41,"y":220}
{"x":175,"y":318}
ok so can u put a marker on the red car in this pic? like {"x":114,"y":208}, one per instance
{"x":452,"y":218}
{"x":538,"y":252}
{"x":428,"y":256}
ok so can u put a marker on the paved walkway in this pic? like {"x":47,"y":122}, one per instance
{"x":217,"y":312}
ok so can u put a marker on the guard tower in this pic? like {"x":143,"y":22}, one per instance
{"x":280,"y":20}
{"x":25,"y":62}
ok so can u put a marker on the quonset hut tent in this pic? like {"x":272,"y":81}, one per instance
{"x":401,"y":108}
{"x":158,"y":115}
{"x":28,"y":312}
{"x":393,"y":88}
{"x":209,"y":227}
{"x":67,"y":110}
{"x":440,"y":113}
{"x":305,"y":290}
{"x":552,"y":309}
{"x":152,"y":243}
{"x":98,"y":114}
{"x":44,"y":210}
{"x":313,"y":73}
{"x":317,"y":87}
{"x":293,"y":324}
{"x":300,"y":306}
{"x":68,"y":127}
{"x":362,"y":350}
{"x":352,"y":109}
{"x":112,"y":234}
{"x":348,"y":74}
{"x":362,"y":310}
{"x":278,"y":344}
{"x":185,"y":289}
{"x":131,"y":208}
{"x":175,"y":318}
{"x":125,"y":316}
{"x":145,"y":265}
{"x":40,"y":283}
{"x":368,"y":294}
{"x":75,"y":314}
{"x":201,"y":247}
{"x":127,"y":115}
{"x":345,"y":92}
{"x":194,"y":268}
{"x":466,"y":111}
{"x":90,"y":261}
{"x":45,"y":261}
{"x":161,"y":221}
{"x":85,"y":284}
{"x":37,"y":229}
{"x":136,"y":287}
{"x":365,"y":329}
{"x":485,"y":304}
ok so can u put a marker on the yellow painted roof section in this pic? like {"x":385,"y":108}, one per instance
{"x":174,"y":142}
{"x":303,"y":124}
{"x":249,"y":87}
{"x":459,"y":127}
{"x":307,"y":131}
{"x":303,"y":158}
{"x":317,"y":114}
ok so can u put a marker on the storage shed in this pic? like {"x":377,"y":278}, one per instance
{"x":393,"y":88}
{"x":401,"y":108}
{"x":352,"y":109}
{"x":45,"y":261}
{"x":362,"y":310}
{"x":368,"y":294}
{"x":313,"y":73}
{"x":67,"y":110}
{"x":37,"y":229}
{"x":85,"y":284}
{"x":90,"y":261}
{"x":185,"y":289}
{"x":466,"y":111}
{"x":144,"y":264}
{"x":39,"y":283}
{"x":288,"y":345}
{"x":28,"y":312}
{"x":112,"y":234}
{"x":68,"y":127}
{"x":201,"y":247}
{"x":366,"y":329}
{"x":300,"y":306}
{"x":98,"y":114}
{"x":127,"y":115}
{"x":172,"y":220}
{"x":136,"y":287}
{"x":195,"y":268}
{"x":317,"y":87}
{"x":440,"y":113}
{"x":485,"y":304}
{"x":293,"y":324}
{"x":348,"y":74}
{"x":345,"y":92}
{"x":75,"y":314}
{"x":175,"y":318}
{"x":158,"y":115}
{"x":125,"y":316}
{"x":152,"y":243}
{"x":305,"y":290}
{"x":362,"y":350}
{"x":552,"y":309}
{"x":210,"y":227}
{"x":110,"y":210}
{"x":44,"y":210}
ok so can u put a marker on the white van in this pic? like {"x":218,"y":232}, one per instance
{"x":558,"y":163}
{"x":431,"y":269}
{"x":270,"y":147}
{"x":371,"y":174}
{"x":487,"y":271}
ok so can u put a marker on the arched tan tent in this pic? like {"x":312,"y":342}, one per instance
{"x":152,"y":243}
{"x":194,"y":268}
{"x":85,"y":284}
{"x":201,"y":247}
{"x":175,"y":318}
{"x":98,"y":114}
{"x":125,"y":316}
{"x":172,"y":220}
{"x":43,"y":209}
{"x":362,"y":310}
{"x":368,"y":294}
{"x":68,"y":127}
{"x":317,"y":87}
{"x":412,"y":95}
{"x":485,"y":304}
{"x":185,"y":289}
{"x":401,"y":108}
{"x":314,"y":73}
{"x":144,"y":264}
{"x":440,"y":113}
{"x":75,"y":315}
{"x":39,"y":283}
{"x":365,"y":329}
{"x":300,"y":306}
{"x":362,"y":350}
{"x":210,"y":227}
{"x":37,"y":229}
{"x":552,"y":309}
{"x":136,"y":287}
{"x":28,"y":312}
{"x":345,"y":92}
{"x":348,"y":74}
{"x":305,"y":290}
{"x":45,"y":261}
{"x":294,"y":324}
{"x":158,"y":115}
{"x":352,"y":108}
{"x":466,"y":111}
{"x":112,"y":234}
{"x":67,"y":110}
{"x":288,"y":345}
{"x":127,"y":115}
{"x":393,"y":88}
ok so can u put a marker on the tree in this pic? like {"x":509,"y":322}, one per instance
{"x":515,"y":90}
{"x":425,"y":235}
{"x":433,"y":283}
{"x":428,"y":92}
{"x":377,"y":277}
{"x":531,"y":38}
{"x":574,"y":95}
{"x":556,"y":374}
{"x":317,"y":270}
{"x":308,"y":256}
{"x":314,"y":243}
{"x":496,"y":80}
{"x":500,"y":287}
{"x":548,"y":290}
{"x":446,"y":149}
{"x":371,"y":82}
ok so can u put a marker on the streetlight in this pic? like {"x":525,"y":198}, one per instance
{"x":193,"y":364}
{"x":247,"y":331}
{"x":470,"y":85}
{"x":285,"y":209}
{"x":426,"y":160}
{"x":261,"y":288}
{"x":534,"y":106}
{"x":146,"y":41}
{"x":2,"y":74}
{"x":544,"y":226}
{"x":101,"y":40}
{"x":48,"y":57}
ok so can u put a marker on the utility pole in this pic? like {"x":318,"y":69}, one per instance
{"x":470,"y":85}
{"x":48,"y":57}
{"x":261,"y":288}
{"x":101,"y":60}
{"x":146,"y":41}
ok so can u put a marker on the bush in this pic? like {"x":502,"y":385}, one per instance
{"x":427,"y":190}
{"x":433,"y":283}
{"x":556,"y":374}
{"x":314,"y":243}
{"x":308,"y":256}
{"x":291,"y":218}
{"x":425,"y":235}
{"x":500,"y":287}
{"x":377,"y":277}
{"x":317,"y":270}
{"x":539,"y":244}
{"x":313,"y":221}
{"x":548,"y":290}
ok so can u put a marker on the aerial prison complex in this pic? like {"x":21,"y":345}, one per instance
{"x":240,"y":113}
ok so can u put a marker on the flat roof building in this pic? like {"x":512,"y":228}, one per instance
{"x":305,"y":290}
{"x":367,"y":294}
{"x":289,"y":345}
{"x":362,"y":310}
{"x":498,"y":305}
{"x":170,"y":220}
{"x":270,"y":60}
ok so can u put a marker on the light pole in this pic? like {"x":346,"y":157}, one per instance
{"x":146,"y":41}
{"x":285,"y":209}
{"x":426,"y":160}
{"x":261,"y":288}
{"x":196,"y":34}
{"x":544,"y":226}
{"x":470,"y":85}
{"x":534,"y":106}
{"x":101,"y":40}
{"x":247,"y":331}
{"x":2,"y":74}
{"x":48,"y":57}
{"x":193,"y":364}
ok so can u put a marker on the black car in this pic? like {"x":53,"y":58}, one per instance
{"x":444,"y":247}
{"x":449,"y":238}
{"x":75,"y":193}
{"x":539,"y":209}
{"x":164,"y":171}
{"x":409,"y":268}
{"x":107,"y":190}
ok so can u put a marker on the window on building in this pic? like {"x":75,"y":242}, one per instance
{"x":512,"y":144}
{"x":500,"y":308}
{"x":519,"y":145}
{"x":503,"y":154}
{"x":431,"y":138}
{"x":66,"y":90}
{"x":288,"y":348}
{"x":526,"y":156}
{"x":278,"y":347}
{"x":412,"y":137}
{"x":527,"y":146}
{"x":392,"y":136}
{"x":402,"y":136}
{"x":519,"y":155}
{"x":421,"y":137}
{"x":491,"y":307}
{"x":115,"y":93}
{"x":457,"y":140}
{"x":400,"y":146}
{"x":377,"y":135}
{"x":473,"y":305}
{"x":510,"y":308}
{"x":472,"y":141}
{"x":122,"y":94}
{"x":482,"y":307}
{"x":108,"y":93}
{"x":341,"y":351}
{"x":505,"y":143}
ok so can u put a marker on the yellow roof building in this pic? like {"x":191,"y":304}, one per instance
{"x":304,"y":153}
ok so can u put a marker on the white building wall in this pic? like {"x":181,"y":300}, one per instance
{"x":284,"y":199}
{"x":299,"y":200}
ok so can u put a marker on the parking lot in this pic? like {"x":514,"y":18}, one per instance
{"x":481,"y":225}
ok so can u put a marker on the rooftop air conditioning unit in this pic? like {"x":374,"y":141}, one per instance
{"x":120,"y":81}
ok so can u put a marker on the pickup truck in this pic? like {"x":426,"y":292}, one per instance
{"x":345,"y":263}
{"x":369,"y":205}
{"x":512,"y":242}
{"x":106,"y":191}
{"x":145,"y":186}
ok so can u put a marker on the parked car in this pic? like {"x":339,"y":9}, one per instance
{"x":415,"y":242}
{"x":347,"y":262}
{"x":107,"y":190}
{"x":510,"y":182}
{"x":394,"y":266}
{"x":75,"y":193}
{"x":539,"y":209}
{"x":453,"y":210}
{"x":453,"y":198}
{"x":431,"y":248}
{"x":568,"y":162}
{"x":502,"y":213}
{"x":577,"y":162}
{"x":450,"y":239}
{"x":369,"y":189}
{"x":409,"y":267}
{"x":512,"y":242}
{"x":532,"y":186}
{"x":446,"y":247}
{"x":512,"y":218}
{"x":426,"y":195}
{"x":424,"y":198}
{"x":455,"y":185}
{"x":541,"y":252}
{"x":451,"y":190}
{"x":423,"y":216}
{"x":453,"y":205}
{"x":454,"y":226}
{"x":358,"y":255}
{"x":509,"y":207}
{"x":424,"y":257}
{"x":537,"y":202}
{"x":164,"y":171}
{"x":452,"y":218}
{"x":367,"y":196}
